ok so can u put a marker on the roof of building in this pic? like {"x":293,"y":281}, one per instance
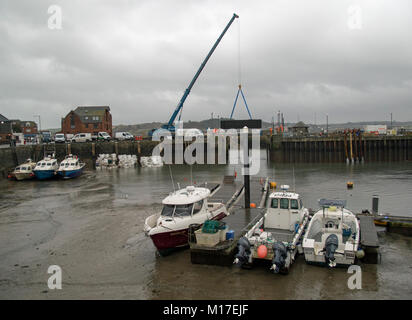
{"x":86,"y":113}
{"x":91,"y":111}
{"x":3,"y":118}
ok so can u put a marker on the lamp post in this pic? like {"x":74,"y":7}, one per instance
{"x":39,"y":131}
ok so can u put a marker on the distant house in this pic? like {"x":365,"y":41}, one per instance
{"x":7,"y":126}
{"x":88,"y":119}
{"x":299,"y":129}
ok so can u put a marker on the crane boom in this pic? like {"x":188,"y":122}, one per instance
{"x":169,"y":126}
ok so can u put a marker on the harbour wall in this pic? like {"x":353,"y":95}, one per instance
{"x":341,"y":148}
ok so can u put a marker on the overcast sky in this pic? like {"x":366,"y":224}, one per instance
{"x":300,"y":57}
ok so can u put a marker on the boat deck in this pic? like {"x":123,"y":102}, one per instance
{"x":281,"y":235}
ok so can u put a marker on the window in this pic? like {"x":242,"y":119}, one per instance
{"x":274,"y":203}
{"x":96,"y":125}
{"x":284,"y":203}
{"x":294,"y":204}
{"x":86,"y":118}
{"x":197,"y":206}
{"x":183,"y":210}
{"x":167,"y":210}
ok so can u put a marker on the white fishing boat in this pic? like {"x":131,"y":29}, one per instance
{"x":277,"y":235}
{"x":332,"y":237}
{"x":70,"y":167}
{"x":169,"y":228}
{"x":46,"y":168}
{"x":25,"y":170}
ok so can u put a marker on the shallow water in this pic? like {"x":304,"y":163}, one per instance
{"x":92,"y":228}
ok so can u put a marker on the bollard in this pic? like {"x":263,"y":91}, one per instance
{"x":375,"y":204}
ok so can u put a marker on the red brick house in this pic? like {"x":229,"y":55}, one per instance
{"x":88,"y":119}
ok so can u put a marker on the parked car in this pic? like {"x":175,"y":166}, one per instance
{"x":59,"y":138}
{"x":123,"y":136}
{"x":82,"y":137}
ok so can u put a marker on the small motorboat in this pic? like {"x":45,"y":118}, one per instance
{"x":70,"y":167}
{"x":277,"y":235}
{"x":46,"y":168}
{"x":332,"y":237}
{"x":169,"y":228}
{"x":25,"y":170}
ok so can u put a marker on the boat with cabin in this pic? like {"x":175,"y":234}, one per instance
{"x":70,"y":167}
{"x":46,"y":168}
{"x":25,"y":170}
{"x":332,"y":238}
{"x":277,"y":235}
{"x":169,"y":228}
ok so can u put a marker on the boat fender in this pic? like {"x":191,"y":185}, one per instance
{"x":279,"y":256}
{"x":331,"y":244}
{"x":360,"y":254}
{"x":243,"y":253}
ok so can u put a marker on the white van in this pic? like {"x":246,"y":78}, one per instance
{"x":82,"y":137}
{"x":123,"y":136}
{"x":59,"y":137}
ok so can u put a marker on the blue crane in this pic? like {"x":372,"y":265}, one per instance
{"x":170,"y":125}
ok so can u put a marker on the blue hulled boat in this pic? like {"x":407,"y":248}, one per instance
{"x":70,"y":167}
{"x":46,"y":168}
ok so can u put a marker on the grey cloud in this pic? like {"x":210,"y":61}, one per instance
{"x":139,"y":56}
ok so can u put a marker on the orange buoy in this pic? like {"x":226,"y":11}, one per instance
{"x":262,"y":251}
{"x":253,"y":205}
{"x":273,"y":185}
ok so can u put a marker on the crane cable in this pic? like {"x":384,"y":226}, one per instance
{"x":238,"y":55}
{"x":240,"y":79}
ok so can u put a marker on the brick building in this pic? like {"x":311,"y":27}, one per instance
{"x":90,"y":119}
{"x":7,"y":126}
{"x":4,"y":129}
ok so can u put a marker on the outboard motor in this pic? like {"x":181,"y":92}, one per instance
{"x":279,"y":256}
{"x":331,"y":244}
{"x":243,"y":253}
